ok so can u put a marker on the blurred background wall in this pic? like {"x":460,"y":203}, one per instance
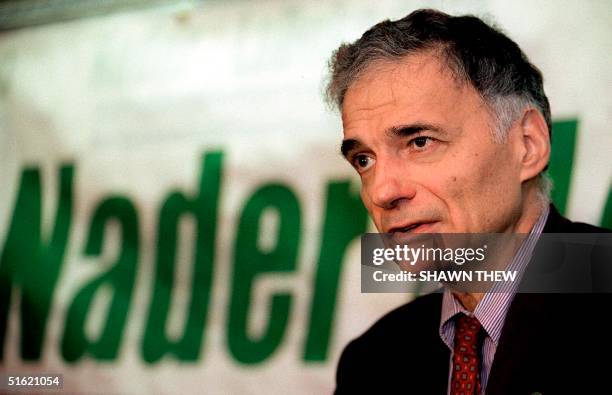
{"x":174,"y":213}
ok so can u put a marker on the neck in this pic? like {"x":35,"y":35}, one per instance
{"x":530,"y":213}
{"x":469,"y":300}
{"x":530,"y":210}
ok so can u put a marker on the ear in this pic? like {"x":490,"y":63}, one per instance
{"x":535,"y":144}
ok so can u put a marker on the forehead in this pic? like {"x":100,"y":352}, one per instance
{"x":415,"y":87}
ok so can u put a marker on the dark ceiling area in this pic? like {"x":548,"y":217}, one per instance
{"x":16,"y":14}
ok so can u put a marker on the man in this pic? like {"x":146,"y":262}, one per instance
{"x":447,"y":123}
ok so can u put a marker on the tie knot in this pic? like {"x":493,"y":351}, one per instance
{"x":464,"y":322}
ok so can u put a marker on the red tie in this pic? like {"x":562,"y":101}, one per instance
{"x":466,"y":359}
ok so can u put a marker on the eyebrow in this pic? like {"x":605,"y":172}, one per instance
{"x":402,"y":131}
{"x":349,"y":145}
{"x":409,"y":130}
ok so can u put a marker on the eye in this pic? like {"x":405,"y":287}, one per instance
{"x":362,"y":162}
{"x":421,"y":142}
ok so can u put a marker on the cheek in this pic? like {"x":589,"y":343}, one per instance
{"x":476,"y":185}
{"x":369,"y":206}
{"x":492,"y":190}
{"x":365,"y":199}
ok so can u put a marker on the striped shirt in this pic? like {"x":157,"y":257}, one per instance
{"x":491,"y":310}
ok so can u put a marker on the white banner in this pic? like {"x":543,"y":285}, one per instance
{"x":174,"y":213}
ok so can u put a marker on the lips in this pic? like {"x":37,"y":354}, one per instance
{"x":414,"y":232}
{"x":413,"y":227}
{"x":406,"y":228}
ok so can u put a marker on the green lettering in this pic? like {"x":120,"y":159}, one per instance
{"x":606,"y":218}
{"x":120,"y":278}
{"x":345,"y":219}
{"x":250,"y":261}
{"x":562,"y":160}
{"x":32,"y":261}
{"x":204,"y":208}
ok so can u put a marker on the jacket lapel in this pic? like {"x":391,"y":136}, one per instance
{"x":526,"y":334}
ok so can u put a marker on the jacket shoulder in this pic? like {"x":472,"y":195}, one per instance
{"x":398,"y":342}
{"x":556,"y":223}
{"x":412,"y":316}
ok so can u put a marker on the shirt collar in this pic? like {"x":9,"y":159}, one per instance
{"x":492,"y":309}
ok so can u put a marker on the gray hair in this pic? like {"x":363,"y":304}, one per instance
{"x":475,"y":53}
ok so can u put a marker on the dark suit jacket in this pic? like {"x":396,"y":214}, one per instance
{"x":550,"y":344}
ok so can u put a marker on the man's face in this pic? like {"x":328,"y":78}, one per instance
{"x":422,"y":144}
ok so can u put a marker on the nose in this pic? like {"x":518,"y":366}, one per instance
{"x":391,"y":184}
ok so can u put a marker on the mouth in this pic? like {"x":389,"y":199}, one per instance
{"x":415,"y":227}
